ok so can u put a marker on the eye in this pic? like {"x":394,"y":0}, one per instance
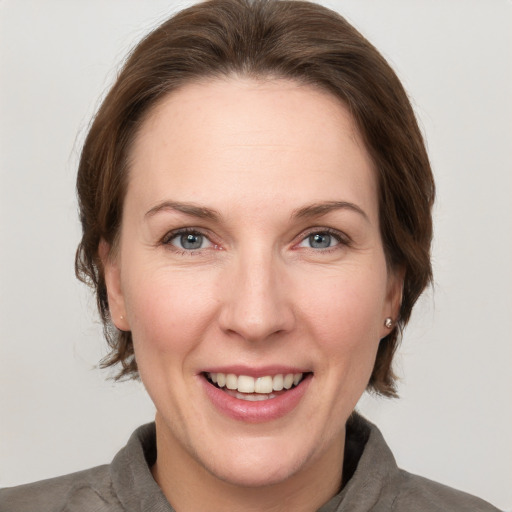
{"x":321,"y":240}
{"x":188,"y":240}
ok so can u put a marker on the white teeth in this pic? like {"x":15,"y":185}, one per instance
{"x":231,"y":381}
{"x":260,"y":385}
{"x":250,"y":397}
{"x":246,"y":384}
{"x":263,"y":385}
{"x":277,"y":382}
{"x":288,"y":381}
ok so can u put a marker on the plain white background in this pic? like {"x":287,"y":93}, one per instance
{"x":59,"y":414}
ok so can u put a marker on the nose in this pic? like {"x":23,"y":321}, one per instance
{"x":256,"y":300}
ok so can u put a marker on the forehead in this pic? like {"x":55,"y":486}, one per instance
{"x":251,"y":137}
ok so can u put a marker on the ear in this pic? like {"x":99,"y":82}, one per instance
{"x":112,"y":273}
{"x":395,"y":287}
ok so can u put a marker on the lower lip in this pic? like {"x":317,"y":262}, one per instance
{"x":256,"y":412}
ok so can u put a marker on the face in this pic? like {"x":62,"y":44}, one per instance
{"x":249,"y":262}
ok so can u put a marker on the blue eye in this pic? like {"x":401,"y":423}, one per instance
{"x":189,"y":241}
{"x":320,"y":240}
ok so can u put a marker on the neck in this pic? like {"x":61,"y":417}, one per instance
{"x":189,"y":486}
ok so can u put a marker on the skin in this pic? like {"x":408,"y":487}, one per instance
{"x":257,"y":292}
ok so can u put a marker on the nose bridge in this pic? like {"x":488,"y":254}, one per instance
{"x":256,"y":305}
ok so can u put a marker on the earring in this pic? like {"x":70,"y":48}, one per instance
{"x":121,"y":317}
{"x":388,"y":323}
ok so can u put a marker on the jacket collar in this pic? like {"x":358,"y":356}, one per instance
{"x":368,"y":468}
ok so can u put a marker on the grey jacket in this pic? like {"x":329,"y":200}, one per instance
{"x":373,"y":483}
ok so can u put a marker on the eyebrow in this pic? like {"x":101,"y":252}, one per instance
{"x":186,"y":208}
{"x":312,"y":210}
{"x":319,"y":209}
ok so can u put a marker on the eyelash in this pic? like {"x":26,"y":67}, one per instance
{"x":171,"y":235}
{"x":341,"y":238}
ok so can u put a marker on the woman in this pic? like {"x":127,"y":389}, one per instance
{"x":255,"y":199}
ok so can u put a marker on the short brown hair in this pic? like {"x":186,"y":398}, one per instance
{"x":296,"y":40}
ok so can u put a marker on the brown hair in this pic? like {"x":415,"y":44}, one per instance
{"x":297,"y":40}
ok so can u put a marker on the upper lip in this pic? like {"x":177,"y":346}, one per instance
{"x":255,"y":372}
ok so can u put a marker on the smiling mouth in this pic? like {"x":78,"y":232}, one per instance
{"x":254,"y":389}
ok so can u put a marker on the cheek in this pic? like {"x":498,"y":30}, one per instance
{"x":168,"y":311}
{"x":344,"y":311}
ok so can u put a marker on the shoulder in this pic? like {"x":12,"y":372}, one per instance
{"x":376,"y":483}
{"x":124,"y":484}
{"x":414,"y":492}
{"x":86,"y":490}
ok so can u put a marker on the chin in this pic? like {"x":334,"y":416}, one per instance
{"x":248,"y":473}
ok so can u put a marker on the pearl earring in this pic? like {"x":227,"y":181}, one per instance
{"x":388,"y":323}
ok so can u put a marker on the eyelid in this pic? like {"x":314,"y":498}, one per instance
{"x":340,"y":236}
{"x":172,"y":234}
